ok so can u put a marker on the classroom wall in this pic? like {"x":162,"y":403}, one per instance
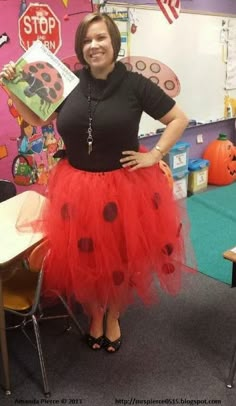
{"x":209,"y":133}
{"x":212,"y":6}
{"x":10,"y":131}
{"x":216,"y":6}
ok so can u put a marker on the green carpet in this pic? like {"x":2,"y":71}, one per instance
{"x":213,"y":230}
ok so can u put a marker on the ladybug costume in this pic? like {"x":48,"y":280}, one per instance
{"x":112,"y":231}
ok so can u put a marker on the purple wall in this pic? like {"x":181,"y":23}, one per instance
{"x":209,"y":132}
{"x":214,"y":6}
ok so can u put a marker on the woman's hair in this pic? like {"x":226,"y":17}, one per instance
{"x":83,"y":28}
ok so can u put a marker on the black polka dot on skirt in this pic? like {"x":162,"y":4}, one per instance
{"x":168,"y":268}
{"x":118,"y":277}
{"x":85,"y":244}
{"x":156,"y":199}
{"x":168,"y":249}
{"x":110,"y":211}
{"x":65,"y":211}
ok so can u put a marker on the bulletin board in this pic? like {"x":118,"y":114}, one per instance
{"x":26,"y":151}
{"x":193,"y":49}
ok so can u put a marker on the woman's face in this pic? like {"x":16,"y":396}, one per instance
{"x":97,"y":49}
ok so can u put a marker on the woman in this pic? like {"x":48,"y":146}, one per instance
{"x":111,"y":219}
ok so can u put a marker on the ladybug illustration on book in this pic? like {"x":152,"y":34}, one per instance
{"x":43,"y":80}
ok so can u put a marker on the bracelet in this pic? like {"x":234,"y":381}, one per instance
{"x":159,"y":149}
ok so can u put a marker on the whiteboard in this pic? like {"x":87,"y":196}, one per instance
{"x":192,"y":47}
{"x":231,"y":55}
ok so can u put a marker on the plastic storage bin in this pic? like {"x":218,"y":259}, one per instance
{"x":177,"y":157}
{"x":198,"y":175}
{"x":180,"y":185}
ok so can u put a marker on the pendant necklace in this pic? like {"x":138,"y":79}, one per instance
{"x":91,"y":117}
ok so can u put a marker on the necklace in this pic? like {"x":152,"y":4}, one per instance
{"x":91,"y":117}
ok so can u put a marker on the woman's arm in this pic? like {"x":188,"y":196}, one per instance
{"x":8,"y":72}
{"x":176,"y":121}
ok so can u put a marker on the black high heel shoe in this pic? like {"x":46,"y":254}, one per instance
{"x":91,"y":341}
{"x":113,"y":344}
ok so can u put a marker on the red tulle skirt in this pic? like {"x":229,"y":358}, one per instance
{"x":114,"y":236}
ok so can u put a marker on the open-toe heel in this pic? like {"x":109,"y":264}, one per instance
{"x":92,"y":341}
{"x":115,"y":345}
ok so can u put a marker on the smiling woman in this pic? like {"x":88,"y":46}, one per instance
{"x":110,"y":217}
{"x":98,"y":50}
{"x":98,"y":45}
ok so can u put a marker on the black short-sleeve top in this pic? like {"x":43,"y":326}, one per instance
{"x":117,"y":104}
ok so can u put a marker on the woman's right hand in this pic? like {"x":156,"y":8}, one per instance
{"x":8,"y":71}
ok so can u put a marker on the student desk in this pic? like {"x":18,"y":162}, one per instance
{"x":13,"y":245}
{"x":231,"y":256}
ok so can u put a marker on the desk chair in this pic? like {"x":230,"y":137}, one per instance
{"x":229,"y":382}
{"x":21,"y":297}
{"x":7,"y":190}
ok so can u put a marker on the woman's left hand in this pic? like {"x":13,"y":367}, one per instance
{"x":135,"y":160}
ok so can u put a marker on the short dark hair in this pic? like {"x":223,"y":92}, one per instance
{"x":82,"y":31}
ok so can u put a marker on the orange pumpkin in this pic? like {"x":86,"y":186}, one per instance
{"x":222,"y":156}
{"x":167,"y":172}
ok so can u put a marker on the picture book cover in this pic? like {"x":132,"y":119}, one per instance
{"x":42,"y":81}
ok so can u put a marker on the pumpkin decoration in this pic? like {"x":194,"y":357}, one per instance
{"x":167,"y":172}
{"x":222,"y":156}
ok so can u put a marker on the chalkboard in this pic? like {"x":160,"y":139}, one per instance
{"x":192,"y":47}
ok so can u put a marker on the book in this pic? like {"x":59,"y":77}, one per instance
{"x":42,"y":81}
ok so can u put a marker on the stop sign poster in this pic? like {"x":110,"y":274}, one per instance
{"x":39,"y":22}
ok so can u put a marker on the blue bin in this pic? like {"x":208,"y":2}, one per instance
{"x":196,"y":164}
{"x":178,"y":157}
